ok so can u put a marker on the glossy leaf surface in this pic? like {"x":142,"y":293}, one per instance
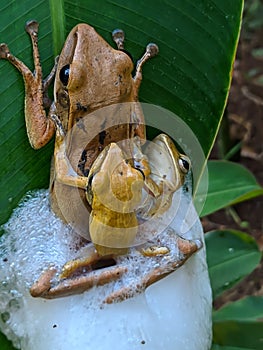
{"x":229,"y":183}
{"x":231,"y":255}
{"x":239,"y":325}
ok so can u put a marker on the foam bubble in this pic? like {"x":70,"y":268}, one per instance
{"x":172,"y":313}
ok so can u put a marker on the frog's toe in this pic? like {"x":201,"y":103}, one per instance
{"x":43,"y":284}
{"x":4,"y":51}
{"x":32,"y":27}
{"x":118,"y":37}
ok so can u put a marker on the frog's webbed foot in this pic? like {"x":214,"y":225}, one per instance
{"x":80,"y":275}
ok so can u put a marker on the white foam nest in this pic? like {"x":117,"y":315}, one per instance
{"x":173,"y":313}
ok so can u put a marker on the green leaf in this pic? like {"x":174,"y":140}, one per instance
{"x":57,"y":14}
{"x":240,"y":324}
{"x":218,"y":347}
{"x":231,"y":255}
{"x":229,"y":183}
{"x":190,"y":77}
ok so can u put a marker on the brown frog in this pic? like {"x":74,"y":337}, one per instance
{"x":98,"y":160}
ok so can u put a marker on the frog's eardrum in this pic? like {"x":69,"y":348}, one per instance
{"x":174,"y":313}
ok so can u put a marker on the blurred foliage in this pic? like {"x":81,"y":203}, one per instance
{"x":253,"y":16}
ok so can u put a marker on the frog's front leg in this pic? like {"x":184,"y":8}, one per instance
{"x":40,"y":128}
{"x":64,"y":173}
{"x":151,"y":51}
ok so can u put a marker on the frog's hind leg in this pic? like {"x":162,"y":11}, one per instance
{"x":82,"y":274}
{"x":186,"y":247}
{"x":77,"y":276}
{"x":40,"y":128}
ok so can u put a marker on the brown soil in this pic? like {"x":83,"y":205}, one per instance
{"x":245,"y":119}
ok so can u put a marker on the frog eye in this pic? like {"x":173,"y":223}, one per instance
{"x":184,"y":164}
{"x":64,"y":74}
